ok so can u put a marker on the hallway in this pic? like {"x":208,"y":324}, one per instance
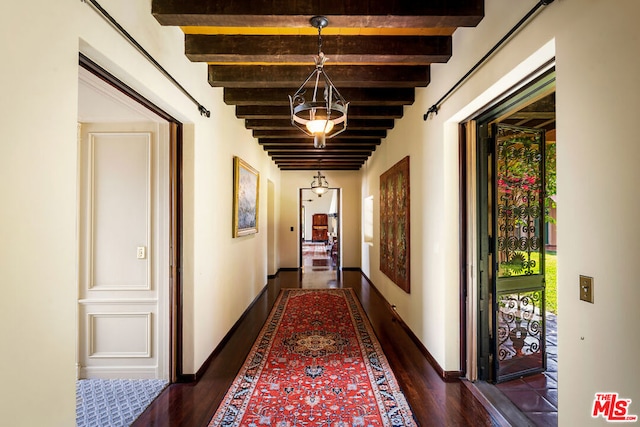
{"x":318,"y":268}
{"x":433,"y":401}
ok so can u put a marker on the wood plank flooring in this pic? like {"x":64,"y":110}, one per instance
{"x":433,"y":401}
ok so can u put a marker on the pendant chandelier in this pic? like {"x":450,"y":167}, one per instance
{"x":319,"y":185}
{"x":324,"y":115}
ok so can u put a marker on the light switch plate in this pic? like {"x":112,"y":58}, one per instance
{"x":142,"y":252}
{"x":586,"y":288}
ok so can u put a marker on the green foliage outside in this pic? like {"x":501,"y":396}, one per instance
{"x":551,"y":262}
{"x":550,"y":273}
{"x":519,"y":180}
{"x":551,"y":259}
{"x":550,"y":180}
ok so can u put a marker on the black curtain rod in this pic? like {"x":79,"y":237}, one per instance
{"x":435,"y":107}
{"x":96,"y":6}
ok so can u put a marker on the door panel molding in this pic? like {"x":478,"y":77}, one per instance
{"x":101,"y":322}
{"x":138,"y":159}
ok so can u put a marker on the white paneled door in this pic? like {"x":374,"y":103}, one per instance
{"x":123,"y":251}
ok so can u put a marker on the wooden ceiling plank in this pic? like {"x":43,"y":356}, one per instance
{"x":347,"y":149}
{"x":265,"y":76}
{"x":312,"y":169}
{"x":317,"y":160}
{"x":354,"y":158}
{"x":329,"y":154}
{"x":328,"y":31}
{"x":355,"y":96}
{"x":270,"y":76}
{"x":323,"y":166}
{"x":327,"y":151}
{"x":355,"y":111}
{"x":295,"y":133}
{"x":285,"y":159}
{"x":285,"y":124}
{"x":310,"y":150}
{"x":529,"y":115}
{"x":319,"y":163}
{"x":221,"y":49}
{"x":338,"y":141}
{"x":353,"y":13}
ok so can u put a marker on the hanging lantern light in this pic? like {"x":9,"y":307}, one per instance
{"x":319,"y":185}
{"x":324,"y":115}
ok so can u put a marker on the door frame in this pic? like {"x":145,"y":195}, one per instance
{"x":474,"y":275}
{"x":175,"y":341}
{"x":301,"y":223}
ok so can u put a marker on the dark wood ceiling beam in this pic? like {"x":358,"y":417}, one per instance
{"x":530,"y":115}
{"x":266,"y":76}
{"x":326,"y":153}
{"x":303,"y":167}
{"x":294,"y":133}
{"x":293,"y":154}
{"x":325,"y":167}
{"x":317,"y":161}
{"x":285,"y":124}
{"x":277,"y":49}
{"x":336,"y":156}
{"x":355,"y":96}
{"x":338,"y":141}
{"x":355,"y":111}
{"x":353,"y":13}
{"x":295,"y":150}
{"x":377,"y":73}
{"x":322,"y":164}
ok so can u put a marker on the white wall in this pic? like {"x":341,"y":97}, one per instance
{"x":349,"y":184}
{"x":596,"y":45}
{"x":227,"y":273}
{"x":39,"y":160}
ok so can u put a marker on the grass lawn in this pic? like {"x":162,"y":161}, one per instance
{"x":551,"y":262}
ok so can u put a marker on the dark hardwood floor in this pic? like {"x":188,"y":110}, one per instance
{"x":434,"y":402}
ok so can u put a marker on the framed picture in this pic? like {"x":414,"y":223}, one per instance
{"x":246,"y":189}
{"x":394,"y":224}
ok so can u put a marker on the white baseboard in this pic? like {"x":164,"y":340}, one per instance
{"x":120,"y":372}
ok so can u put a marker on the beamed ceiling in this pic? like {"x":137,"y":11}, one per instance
{"x":261,"y":51}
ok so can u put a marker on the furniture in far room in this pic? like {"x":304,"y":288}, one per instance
{"x":319,"y":228}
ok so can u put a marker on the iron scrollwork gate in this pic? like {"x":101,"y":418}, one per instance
{"x":519,"y":251}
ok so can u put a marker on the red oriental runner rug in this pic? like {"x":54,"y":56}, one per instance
{"x":314,"y":249}
{"x":316,"y":362}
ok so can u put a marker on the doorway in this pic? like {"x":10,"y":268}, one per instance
{"x":514,"y":346}
{"x":137,"y":203}
{"x":320,"y":238}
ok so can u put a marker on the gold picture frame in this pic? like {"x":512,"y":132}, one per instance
{"x":246,"y":192}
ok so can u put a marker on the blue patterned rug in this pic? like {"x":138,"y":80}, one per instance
{"x":113,"y":403}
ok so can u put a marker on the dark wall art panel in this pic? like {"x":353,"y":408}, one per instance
{"x":394,"y":224}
